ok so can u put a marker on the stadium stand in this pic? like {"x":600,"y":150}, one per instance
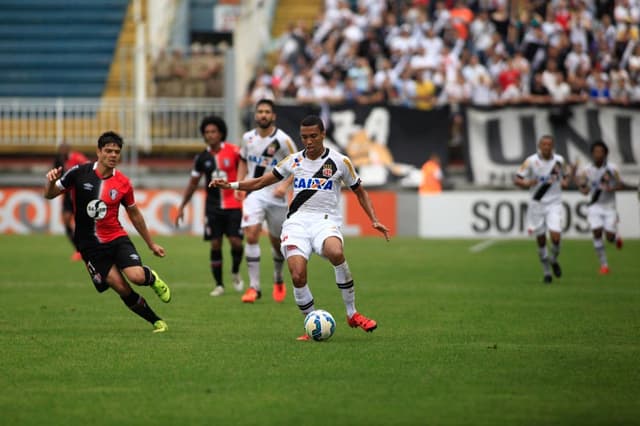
{"x":51,"y":48}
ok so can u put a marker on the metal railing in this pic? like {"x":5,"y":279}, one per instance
{"x":40,"y":124}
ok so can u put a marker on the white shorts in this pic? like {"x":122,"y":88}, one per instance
{"x":603,"y":217}
{"x":303,"y":234}
{"x":256,"y":210}
{"x":543,"y":217}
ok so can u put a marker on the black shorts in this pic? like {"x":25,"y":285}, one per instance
{"x":67,"y":202}
{"x":223,"y":222}
{"x":99,"y":259}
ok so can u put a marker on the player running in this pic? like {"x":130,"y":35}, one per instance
{"x":314,"y":219}
{"x":544,"y":174}
{"x":600,"y":180}
{"x":263,"y":148}
{"x":112,"y":260}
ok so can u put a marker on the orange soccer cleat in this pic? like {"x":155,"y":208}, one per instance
{"x":303,"y":338}
{"x":604,"y":270}
{"x":279,"y":292}
{"x":359,"y":320}
{"x":251,"y":295}
{"x":76,"y":256}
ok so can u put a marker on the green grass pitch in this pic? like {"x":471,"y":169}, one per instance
{"x":463,"y":339}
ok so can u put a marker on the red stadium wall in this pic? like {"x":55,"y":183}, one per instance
{"x":25,"y":211}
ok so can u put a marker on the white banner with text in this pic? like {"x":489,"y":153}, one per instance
{"x":503,"y":214}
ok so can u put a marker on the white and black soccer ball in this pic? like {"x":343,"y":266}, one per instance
{"x":319,"y":325}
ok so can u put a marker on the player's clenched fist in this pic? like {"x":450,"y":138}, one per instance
{"x":219,"y":183}
{"x":54,"y":174}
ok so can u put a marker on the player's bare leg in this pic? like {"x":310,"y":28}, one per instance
{"x":215,"y":259}
{"x":237,"y":251}
{"x":69,"y":229}
{"x":598,"y":245}
{"x":133,"y":300}
{"x":297,"y":263}
{"x":252,"y":254}
{"x":279,"y":288}
{"x":544,"y":257}
{"x":332,"y":249}
{"x":555,"y":252}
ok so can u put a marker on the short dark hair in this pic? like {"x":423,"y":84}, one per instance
{"x":599,"y":143}
{"x":216,"y":121}
{"x":110,"y":137}
{"x":312,"y":120}
{"x":265,"y":101}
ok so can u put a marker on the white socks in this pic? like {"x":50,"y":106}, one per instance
{"x":304,"y":299}
{"x":252,"y":254}
{"x":345,"y":284}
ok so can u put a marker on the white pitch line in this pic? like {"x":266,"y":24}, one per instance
{"x":481,"y":246}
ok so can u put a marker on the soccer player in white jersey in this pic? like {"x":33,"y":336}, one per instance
{"x":314,"y":218}
{"x":263,"y":148}
{"x":545,"y":174}
{"x":600,"y":180}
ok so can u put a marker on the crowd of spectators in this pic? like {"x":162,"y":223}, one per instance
{"x":199,"y":74}
{"x":424,"y":53}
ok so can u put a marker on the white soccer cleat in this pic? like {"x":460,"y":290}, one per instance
{"x":238,"y":284}
{"x":217,"y":291}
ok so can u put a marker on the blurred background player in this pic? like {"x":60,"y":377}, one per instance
{"x":544,"y":174}
{"x":67,"y":158}
{"x":431,"y":182}
{"x":263,"y":148}
{"x":98,"y":190}
{"x":223,"y":211}
{"x":600,"y":180}
{"x":314,"y":219}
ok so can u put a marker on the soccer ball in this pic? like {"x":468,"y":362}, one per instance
{"x":319,"y":325}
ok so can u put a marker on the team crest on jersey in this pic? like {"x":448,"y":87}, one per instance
{"x":113,"y":194}
{"x":296,"y":162}
{"x":226,"y":162}
{"x":327,"y":170}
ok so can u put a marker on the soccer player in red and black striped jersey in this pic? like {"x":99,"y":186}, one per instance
{"x":223,"y":211}
{"x":67,"y":158}
{"x":98,"y":189}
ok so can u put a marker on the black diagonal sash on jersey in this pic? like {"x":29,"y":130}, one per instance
{"x":598,"y":192}
{"x":259,"y":170}
{"x":555,"y":171}
{"x":304,"y":195}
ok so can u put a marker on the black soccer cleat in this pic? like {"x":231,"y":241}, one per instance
{"x":557,"y":271}
{"x":547,"y":279}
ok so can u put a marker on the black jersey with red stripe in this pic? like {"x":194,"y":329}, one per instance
{"x":222,"y":164}
{"x":97,"y":202}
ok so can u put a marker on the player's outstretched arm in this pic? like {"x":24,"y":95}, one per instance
{"x":245,"y":185}
{"x":188,"y":193}
{"x":365,"y":203}
{"x":141,"y":226}
{"x":50,"y":189}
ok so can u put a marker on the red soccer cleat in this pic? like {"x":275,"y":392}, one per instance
{"x":303,"y":338}
{"x":359,"y":320}
{"x":604,"y":270}
{"x":76,"y":256}
{"x":279,"y":292}
{"x":251,"y":295}
{"x":619,"y":243}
